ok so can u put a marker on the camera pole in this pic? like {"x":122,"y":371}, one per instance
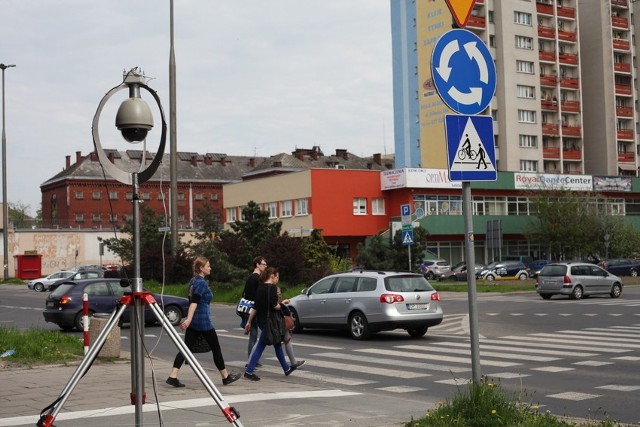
{"x":134,"y":120}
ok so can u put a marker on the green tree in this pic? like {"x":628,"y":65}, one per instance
{"x":255,"y":226}
{"x":287,"y":254}
{"x":380,"y":254}
{"x":19,"y":216}
{"x":317,"y":257}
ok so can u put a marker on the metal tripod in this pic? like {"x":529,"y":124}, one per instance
{"x":48,"y":415}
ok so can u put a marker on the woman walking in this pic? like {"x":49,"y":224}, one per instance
{"x":266,"y":307}
{"x":198,"y":322}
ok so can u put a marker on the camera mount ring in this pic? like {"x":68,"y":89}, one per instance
{"x":117,"y":173}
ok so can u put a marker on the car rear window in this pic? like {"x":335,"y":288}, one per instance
{"x":553,"y":270}
{"x":407,"y":283}
{"x":62,"y":289}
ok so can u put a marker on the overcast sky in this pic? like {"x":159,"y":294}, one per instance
{"x":254,"y":77}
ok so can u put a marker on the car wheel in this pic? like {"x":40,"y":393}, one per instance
{"x":430,"y":276}
{"x":298,"y":328}
{"x":576,"y":293}
{"x":39,"y":287}
{"x":523,"y":276}
{"x":359,"y":326}
{"x":490,"y":277}
{"x":634,"y":273}
{"x":546,"y":296}
{"x":78,"y":322}
{"x":173,"y":314}
{"x":417,"y":332}
{"x":616,"y":290}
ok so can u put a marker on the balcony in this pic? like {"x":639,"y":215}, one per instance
{"x":550,"y":129}
{"x":568,"y":58}
{"x":570,"y":106}
{"x":622,"y":3}
{"x":546,"y":32}
{"x":624,"y":111}
{"x":549,"y":105}
{"x":546,"y":9}
{"x":618,"y":22}
{"x":570,"y":83}
{"x":625,"y":134}
{"x":571,"y":155}
{"x":624,"y":90}
{"x":477,"y":22}
{"x":571,"y":131}
{"x":627,"y":157}
{"x":547,"y":55}
{"x":566,"y":12}
{"x":622,"y":67}
{"x":567,"y":36}
{"x":551,"y":153}
{"x":621,"y":44}
{"x":546,"y":80}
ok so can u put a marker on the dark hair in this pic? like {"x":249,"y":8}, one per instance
{"x":258,"y":260}
{"x":198,"y":264}
{"x":268,"y":272}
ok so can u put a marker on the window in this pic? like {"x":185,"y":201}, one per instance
{"x":525,"y":67}
{"x":79,"y":195}
{"x":523,"y":42}
{"x":199,"y":196}
{"x":232,"y":215}
{"x":180,"y":196}
{"x":377,"y":206}
{"x":526,"y":116}
{"x":528,"y":166}
{"x":95,"y":195}
{"x":522,"y":18}
{"x":113,"y":218}
{"x":526,"y":92}
{"x":128,"y":217}
{"x":145,"y":196}
{"x":273,"y":210}
{"x":79,"y":218}
{"x":162,"y":196}
{"x":359,"y":206}
{"x":97,"y":217}
{"x":285,"y":208}
{"x":129,"y":196}
{"x":528,"y":141}
{"x":113,"y":195}
{"x":214,"y":196}
{"x":302,"y":207}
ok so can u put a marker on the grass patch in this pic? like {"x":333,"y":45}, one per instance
{"x":39,"y":346}
{"x":486,"y":405}
{"x":481,"y":286}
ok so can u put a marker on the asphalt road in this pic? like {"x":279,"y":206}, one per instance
{"x":574,"y":358}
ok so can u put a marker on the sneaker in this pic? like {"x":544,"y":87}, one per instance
{"x":300,"y":363}
{"x":291,"y":369}
{"x":230,"y":378}
{"x":252,"y":377}
{"x":174,"y":382}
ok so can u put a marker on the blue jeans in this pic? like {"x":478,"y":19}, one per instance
{"x":253,"y":337}
{"x":257,"y":353}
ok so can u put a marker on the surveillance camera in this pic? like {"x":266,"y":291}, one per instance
{"x":134,"y":119}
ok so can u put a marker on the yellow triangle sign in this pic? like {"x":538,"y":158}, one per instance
{"x":461,"y":10}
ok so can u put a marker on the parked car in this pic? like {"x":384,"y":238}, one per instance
{"x":43,"y":283}
{"x":504,"y":270}
{"x":577,"y":280}
{"x":64,"y":305}
{"x":459,"y":272}
{"x":435,"y":268}
{"x":88,"y":267}
{"x":78,"y":275}
{"x":537,"y":265}
{"x":622,"y":266}
{"x":364,"y":302}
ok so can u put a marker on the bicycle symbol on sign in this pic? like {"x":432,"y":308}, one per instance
{"x":466,"y":152}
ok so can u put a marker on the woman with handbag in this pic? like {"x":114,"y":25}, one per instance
{"x":266,"y":313}
{"x":198,"y":324}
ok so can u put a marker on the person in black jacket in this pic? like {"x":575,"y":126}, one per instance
{"x":249,"y":293}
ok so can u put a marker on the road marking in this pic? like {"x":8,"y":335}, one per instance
{"x":517,"y":340}
{"x":553,"y":369}
{"x":618,"y":387}
{"x":368,"y":370}
{"x":500,"y":355}
{"x":591,"y":344}
{"x":524,"y":350}
{"x":592,"y":363}
{"x":388,"y":362}
{"x":508,"y":375}
{"x":436,"y":357}
{"x":313,"y":376}
{"x":580,"y":337}
{"x":401,"y":389}
{"x":572,"y":395}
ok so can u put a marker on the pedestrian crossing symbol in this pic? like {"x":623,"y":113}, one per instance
{"x":470,"y":148}
{"x":407,"y":237}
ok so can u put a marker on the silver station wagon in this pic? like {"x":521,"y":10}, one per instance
{"x":577,"y":280}
{"x":364,"y":302}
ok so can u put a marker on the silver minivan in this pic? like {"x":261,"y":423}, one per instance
{"x":577,"y":280}
{"x":364,"y":302}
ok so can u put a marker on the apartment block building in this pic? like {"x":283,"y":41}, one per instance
{"x":565,"y":101}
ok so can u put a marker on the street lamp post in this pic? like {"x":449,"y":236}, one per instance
{"x":5,"y":207}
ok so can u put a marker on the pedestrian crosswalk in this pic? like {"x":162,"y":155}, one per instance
{"x":446,"y":359}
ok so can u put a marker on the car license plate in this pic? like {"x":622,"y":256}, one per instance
{"x":417,"y":306}
{"x":50,"y":304}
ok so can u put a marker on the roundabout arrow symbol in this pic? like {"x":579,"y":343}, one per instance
{"x":474,"y":53}
{"x":469,"y":98}
{"x":449,"y":50}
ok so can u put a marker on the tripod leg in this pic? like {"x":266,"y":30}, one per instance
{"x":47,"y":418}
{"x":229,"y":412}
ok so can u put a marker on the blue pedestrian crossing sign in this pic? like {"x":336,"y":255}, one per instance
{"x":407,"y":237}
{"x":463,"y":71}
{"x":470,"y":148}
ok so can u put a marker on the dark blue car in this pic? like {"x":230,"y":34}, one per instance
{"x":64,"y":305}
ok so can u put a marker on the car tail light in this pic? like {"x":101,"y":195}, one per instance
{"x":65,"y":299}
{"x":391,"y":298}
{"x":435,"y":296}
{"x":566,"y":279}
